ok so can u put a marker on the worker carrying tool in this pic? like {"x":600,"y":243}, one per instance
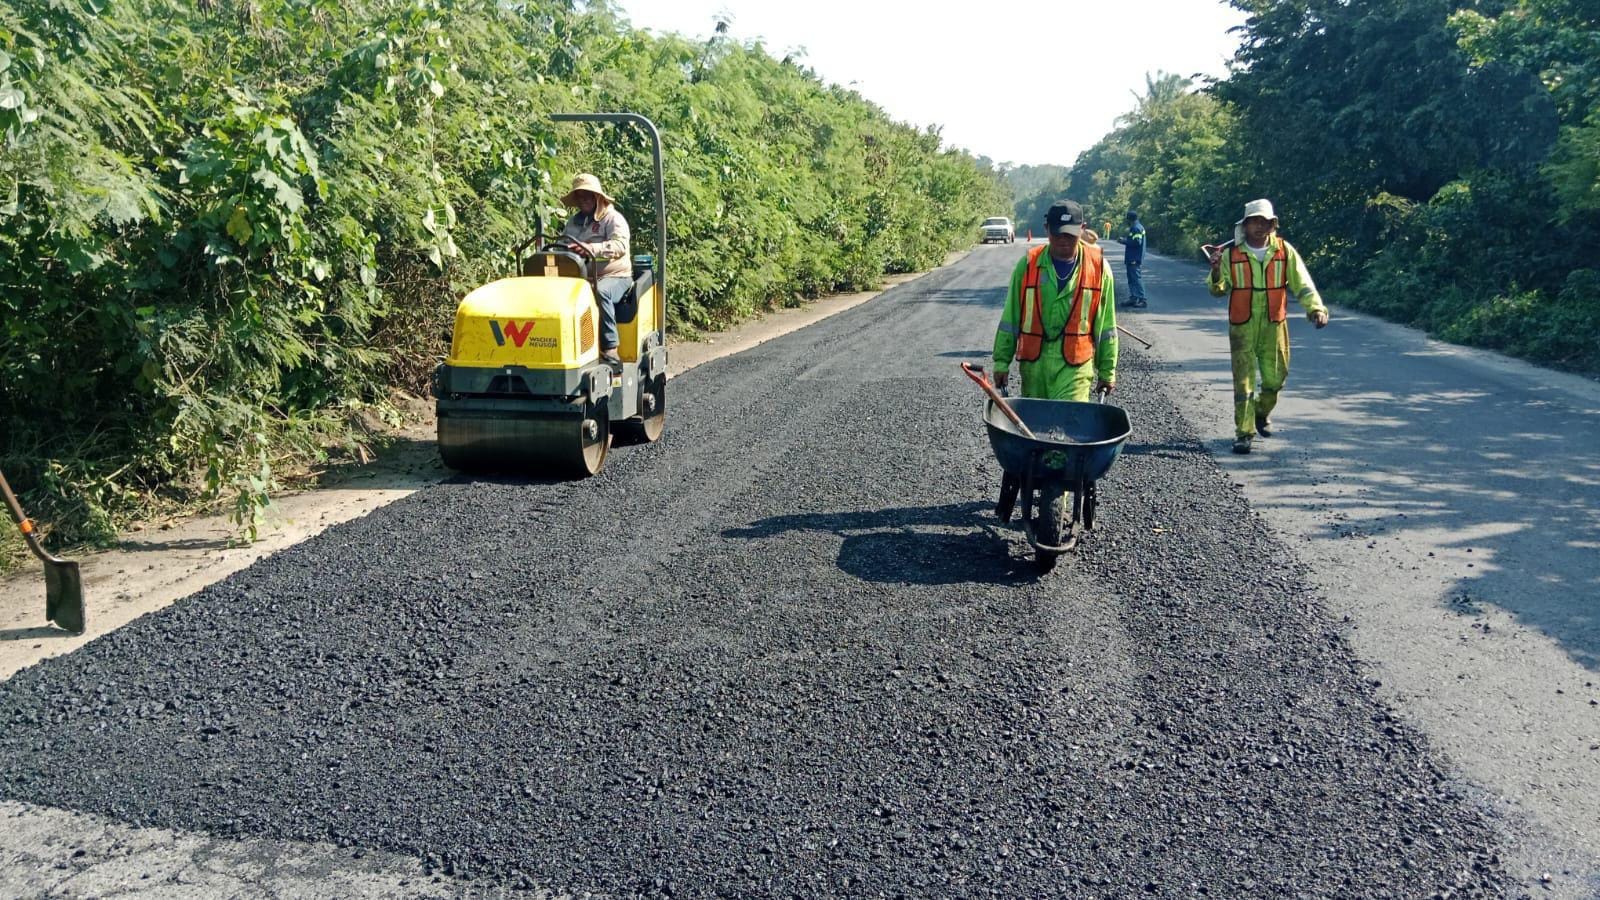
{"x":599,"y":231}
{"x":1060,"y":319}
{"x":1262,"y":270}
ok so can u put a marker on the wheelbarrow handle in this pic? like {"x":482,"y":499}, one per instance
{"x":976,"y":373}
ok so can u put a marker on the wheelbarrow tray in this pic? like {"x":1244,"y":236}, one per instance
{"x":1097,"y":432}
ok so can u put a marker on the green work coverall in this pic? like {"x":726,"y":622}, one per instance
{"x":1051,"y":377}
{"x":1260,"y":342}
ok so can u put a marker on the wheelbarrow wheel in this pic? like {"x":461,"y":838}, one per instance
{"x":1048,"y":523}
{"x":1009,"y":486}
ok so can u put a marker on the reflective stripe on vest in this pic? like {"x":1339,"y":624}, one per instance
{"x":1077,"y":338}
{"x":1243,"y":294}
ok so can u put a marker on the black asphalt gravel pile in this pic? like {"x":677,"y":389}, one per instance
{"x":787,"y":650}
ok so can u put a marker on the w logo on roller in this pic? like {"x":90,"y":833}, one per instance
{"x":518,"y":335}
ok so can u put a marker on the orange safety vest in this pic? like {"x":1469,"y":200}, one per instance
{"x":1077,"y":338}
{"x":1243,"y":294}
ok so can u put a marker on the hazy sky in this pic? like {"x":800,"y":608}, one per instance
{"x":1021,"y":83}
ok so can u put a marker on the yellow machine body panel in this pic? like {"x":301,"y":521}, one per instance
{"x":630,"y":335}
{"x":539,"y":323}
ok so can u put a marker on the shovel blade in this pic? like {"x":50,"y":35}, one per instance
{"x":63,"y":595}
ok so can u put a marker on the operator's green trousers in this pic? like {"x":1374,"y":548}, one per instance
{"x":1052,"y":378}
{"x":1258,"y":346}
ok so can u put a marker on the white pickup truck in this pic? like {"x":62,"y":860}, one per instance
{"x":998,"y":228}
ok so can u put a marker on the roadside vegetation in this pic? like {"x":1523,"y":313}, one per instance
{"x":1437,"y":160}
{"x":229,"y":229}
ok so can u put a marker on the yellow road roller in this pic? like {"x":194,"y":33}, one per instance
{"x":524,"y":389}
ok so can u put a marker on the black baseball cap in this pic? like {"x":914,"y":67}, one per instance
{"x":1064,"y":217}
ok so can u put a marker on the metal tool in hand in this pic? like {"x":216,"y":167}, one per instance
{"x":63,"y":583}
{"x":1207,"y":249}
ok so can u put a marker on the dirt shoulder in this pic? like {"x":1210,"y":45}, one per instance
{"x":152,"y":566}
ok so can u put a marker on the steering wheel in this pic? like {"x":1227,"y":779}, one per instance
{"x":577,"y":256}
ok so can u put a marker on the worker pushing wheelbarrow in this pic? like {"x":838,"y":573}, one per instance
{"x":1051,"y":453}
{"x":1059,"y":325}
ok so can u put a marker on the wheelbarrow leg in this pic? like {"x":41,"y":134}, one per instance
{"x":1009,"y":486}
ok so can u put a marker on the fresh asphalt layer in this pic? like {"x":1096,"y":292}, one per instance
{"x":786,"y":650}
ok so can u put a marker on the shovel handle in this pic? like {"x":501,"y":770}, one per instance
{"x":1147,"y":344}
{"x":24,"y":524}
{"x":976,"y":374}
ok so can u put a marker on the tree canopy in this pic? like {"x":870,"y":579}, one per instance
{"x":1438,"y":161}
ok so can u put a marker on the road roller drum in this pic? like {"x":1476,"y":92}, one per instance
{"x":567,"y":445}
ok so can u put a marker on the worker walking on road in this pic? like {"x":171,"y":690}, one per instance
{"x":1060,"y":319}
{"x":1133,"y":259}
{"x":1262,"y":270}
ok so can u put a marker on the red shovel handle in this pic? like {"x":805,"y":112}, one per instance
{"x":977,"y":375}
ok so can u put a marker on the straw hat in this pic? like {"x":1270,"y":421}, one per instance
{"x":1262,"y":208}
{"x":585,"y":182}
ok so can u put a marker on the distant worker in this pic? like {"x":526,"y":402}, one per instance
{"x":600,"y":232}
{"x":1262,"y":270}
{"x":1133,"y":258}
{"x":1060,"y":319}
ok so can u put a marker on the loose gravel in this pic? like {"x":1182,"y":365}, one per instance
{"x":788,"y":650}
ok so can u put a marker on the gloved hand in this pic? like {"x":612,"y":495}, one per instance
{"x":1000,"y":379}
{"x":1105,"y":386}
{"x":1318,"y":317}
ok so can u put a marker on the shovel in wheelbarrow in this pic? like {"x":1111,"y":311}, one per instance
{"x":976,"y":374}
{"x":63,"y":583}
{"x":1051,"y":453}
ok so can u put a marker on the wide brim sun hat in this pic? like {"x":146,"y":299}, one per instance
{"x":1262,"y":208}
{"x":585,"y":182}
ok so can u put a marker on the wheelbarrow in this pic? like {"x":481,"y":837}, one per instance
{"x":1051,"y":455}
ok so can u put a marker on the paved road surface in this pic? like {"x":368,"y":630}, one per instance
{"x":1447,"y":501}
{"x":786,"y":650}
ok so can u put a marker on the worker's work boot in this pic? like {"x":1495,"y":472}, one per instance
{"x":1241,"y":444}
{"x":1263,"y":426}
{"x":609,"y":355}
